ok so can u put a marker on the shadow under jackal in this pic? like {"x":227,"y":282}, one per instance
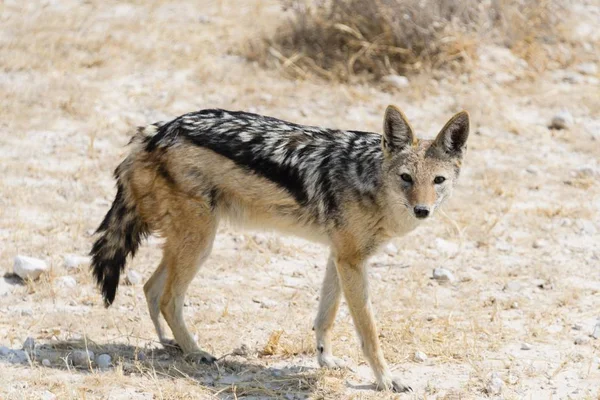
{"x":351,"y":190}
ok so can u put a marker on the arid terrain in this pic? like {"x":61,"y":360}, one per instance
{"x":519,"y":320}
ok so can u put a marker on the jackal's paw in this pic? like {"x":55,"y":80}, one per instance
{"x":394,"y":385}
{"x":170,"y":344}
{"x":329,"y":361}
{"x":200,"y":357}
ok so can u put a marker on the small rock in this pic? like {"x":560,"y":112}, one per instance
{"x":539,"y":244}
{"x":17,"y":357}
{"x":420,"y":356}
{"x":66,"y":282}
{"x":46,"y":362}
{"x":391,"y":249}
{"x":503,"y":245}
{"x":243,"y":351}
{"x":28,"y":267}
{"x":4,"y":351}
{"x":397,"y":81}
{"x":133,"y":277}
{"x":82,"y":358}
{"x":577,"y":327}
{"x":103,"y":361}
{"x":443,"y":275}
{"x":73,"y":261}
{"x":581,"y":340}
{"x":29,"y":344}
{"x":562,"y":120}
{"x":514,"y":305}
{"x":495,"y":385}
{"x":47,"y":395}
{"x":525,"y":346}
{"x":587,"y":68}
{"x":512,"y":286}
{"x":596,"y":332}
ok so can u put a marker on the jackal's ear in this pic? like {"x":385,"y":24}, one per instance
{"x":452,"y":139}
{"x":397,"y":132}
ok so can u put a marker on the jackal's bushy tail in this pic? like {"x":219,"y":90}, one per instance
{"x":121,"y":232}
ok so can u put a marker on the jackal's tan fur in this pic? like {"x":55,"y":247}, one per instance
{"x":182,"y":178}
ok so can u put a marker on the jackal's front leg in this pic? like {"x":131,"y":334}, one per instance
{"x":353,"y":278}
{"x":328,"y":307}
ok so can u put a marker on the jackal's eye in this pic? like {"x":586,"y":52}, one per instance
{"x":406,"y":178}
{"x":439,"y":179}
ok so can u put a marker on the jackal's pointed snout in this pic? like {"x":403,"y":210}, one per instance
{"x":421,"y":212}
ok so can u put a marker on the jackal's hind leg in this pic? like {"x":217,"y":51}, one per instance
{"x":186,"y":248}
{"x":328,"y":307}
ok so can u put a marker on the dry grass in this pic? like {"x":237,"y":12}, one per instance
{"x":352,"y":39}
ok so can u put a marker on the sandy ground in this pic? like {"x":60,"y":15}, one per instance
{"x":521,"y":234}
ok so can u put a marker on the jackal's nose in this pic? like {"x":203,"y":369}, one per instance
{"x":421,"y":212}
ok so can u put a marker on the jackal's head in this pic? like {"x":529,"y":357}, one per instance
{"x":420,"y":174}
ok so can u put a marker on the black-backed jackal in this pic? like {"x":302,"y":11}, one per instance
{"x":348,"y":189}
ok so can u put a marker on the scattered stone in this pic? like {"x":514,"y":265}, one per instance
{"x":391,"y":249}
{"x":596,"y":332}
{"x":512,"y":286}
{"x":539,"y":244}
{"x":48,"y":395}
{"x":495,"y":385}
{"x":420,"y":356}
{"x":4,"y":351}
{"x":587,"y":227}
{"x":17,"y":357}
{"x":443,"y":275}
{"x":242,"y":351}
{"x":577,"y":327}
{"x":514,"y":305}
{"x":581,"y":340}
{"x":82,"y":358}
{"x":46,"y":362}
{"x":28,"y":267}
{"x":525,"y":346}
{"x":503,"y":245}
{"x":29,"y":344}
{"x":397,"y":81}
{"x":562,"y":120}
{"x":587,"y":68}
{"x":133,"y":277}
{"x":66,"y":282}
{"x":103,"y":361}
{"x":73,"y":261}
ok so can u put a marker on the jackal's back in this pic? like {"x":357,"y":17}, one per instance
{"x":317,"y":166}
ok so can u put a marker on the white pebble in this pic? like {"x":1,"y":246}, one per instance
{"x":446,"y":246}
{"x":46,"y":362}
{"x":596,"y":333}
{"x":443,"y":275}
{"x":28,"y":267}
{"x":133,"y":277}
{"x":562,"y":120}
{"x":525,"y":346}
{"x":420,"y":356}
{"x":73,"y":261}
{"x":539,"y":244}
{"x":103,"y":361}
{"x":397,"y":81}
{"x":391,"y":249}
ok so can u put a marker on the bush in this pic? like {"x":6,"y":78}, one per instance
{"x":348,"y":39}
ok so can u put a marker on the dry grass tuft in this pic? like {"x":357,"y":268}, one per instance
{"x":349,"y":39}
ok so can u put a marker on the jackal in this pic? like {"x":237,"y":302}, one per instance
{"x":350,"y":190}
